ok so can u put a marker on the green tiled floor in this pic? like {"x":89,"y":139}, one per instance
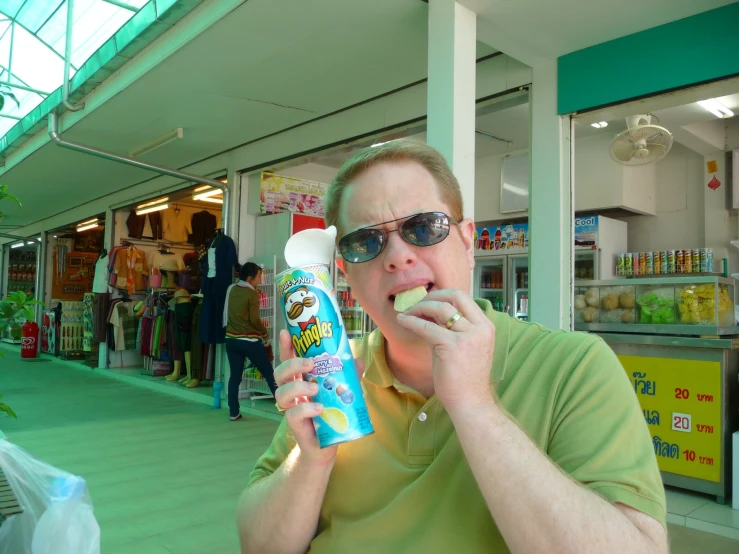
{"x":164,"y":473}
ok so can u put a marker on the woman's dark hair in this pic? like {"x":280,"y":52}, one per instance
{"x":249,"y":269}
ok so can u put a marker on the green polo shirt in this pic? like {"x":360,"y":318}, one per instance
{"x":408,"y":488}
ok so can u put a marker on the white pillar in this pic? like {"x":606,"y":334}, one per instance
{"x":451,"y":91}
{"x":550,"y":205}
{"x":108,"y":243}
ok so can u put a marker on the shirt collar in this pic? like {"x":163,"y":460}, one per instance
{"x":379,"y":374}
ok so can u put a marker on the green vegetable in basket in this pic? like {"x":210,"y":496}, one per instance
{"x":646,"y":315}
{"x":664,"y":316}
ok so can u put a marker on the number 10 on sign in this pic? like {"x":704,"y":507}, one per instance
{"x":682,"y":422}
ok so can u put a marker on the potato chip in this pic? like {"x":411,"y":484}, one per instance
{"x":336,"y":419}
{"x":409,"y":298}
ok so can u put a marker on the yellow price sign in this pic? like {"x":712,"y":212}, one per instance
{"x":681,"y":400}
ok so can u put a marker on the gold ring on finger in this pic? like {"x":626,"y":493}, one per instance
{"x":452,"y":320}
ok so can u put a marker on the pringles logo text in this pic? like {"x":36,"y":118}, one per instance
{"x":312,"y":336}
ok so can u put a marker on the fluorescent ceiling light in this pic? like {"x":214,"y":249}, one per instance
{"x":158,"y":142}
{"x":716,"y":108}
{"x":88,"y":222}
{"x":599,"y":125}
{"x":16,"y":245}
{"x":207,"y":194}
{"x":38,"y":239}
{"x":211,"y":199}
{"x":151,"y":209}
{"x":151,"y":203}
{"x":87,"y":227}
{"x":31,"y":243}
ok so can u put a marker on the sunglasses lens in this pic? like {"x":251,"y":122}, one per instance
{"x":426,"y":229}
{"x":361,"y":246}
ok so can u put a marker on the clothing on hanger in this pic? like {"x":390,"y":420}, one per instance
{"x":203,"y":225}
{"x":218,"y":267}
{"x":177,"y":225}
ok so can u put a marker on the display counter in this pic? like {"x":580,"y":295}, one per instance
{"x":681,"y":355}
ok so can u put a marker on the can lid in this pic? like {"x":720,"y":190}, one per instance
{"x":312,"y":246}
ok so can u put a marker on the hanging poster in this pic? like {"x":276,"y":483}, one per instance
{"x":505,"y":239}
{"x":288,"y":194}
{"x":681,"y":401}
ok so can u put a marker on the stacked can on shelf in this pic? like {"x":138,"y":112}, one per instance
{"x":666,"y":262}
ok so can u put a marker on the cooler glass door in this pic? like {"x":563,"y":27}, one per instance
{"x":586,"y":265}
{"x":519,"y":286}
{"x":356,"y":320}
{"x":490,"y":281}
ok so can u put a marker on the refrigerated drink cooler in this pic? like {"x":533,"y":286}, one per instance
{"x":502,"y":264}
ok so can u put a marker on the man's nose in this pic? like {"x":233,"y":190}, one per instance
{"x":398,"y":253}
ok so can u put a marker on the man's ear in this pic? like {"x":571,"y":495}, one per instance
{"x":467,"y":232}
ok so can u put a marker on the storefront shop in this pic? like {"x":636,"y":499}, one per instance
{"x":159,"y":300}
{"x":668,"y":308}
{"x":20,"y":274}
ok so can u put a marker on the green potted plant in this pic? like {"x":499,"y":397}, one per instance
{"x":5,"y":194}
{"x":9,"y":308}
{"x":15,"y":310}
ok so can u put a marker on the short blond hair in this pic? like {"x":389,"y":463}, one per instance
{"x":402,"y":150}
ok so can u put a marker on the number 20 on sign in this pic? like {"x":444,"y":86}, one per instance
{"x":681,"y":403}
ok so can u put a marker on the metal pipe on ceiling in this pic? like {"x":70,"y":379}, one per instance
{"x":68,"y":60}
{"x":112,"y":156}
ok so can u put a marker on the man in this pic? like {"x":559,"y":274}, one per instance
{"x":491,"y":435}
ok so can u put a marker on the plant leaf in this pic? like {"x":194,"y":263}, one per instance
{"x":7,"y":409}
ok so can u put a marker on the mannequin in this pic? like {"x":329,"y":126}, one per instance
{"x":183,"y":310}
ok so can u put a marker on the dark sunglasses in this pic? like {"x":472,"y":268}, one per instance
{"x":424,"y":229}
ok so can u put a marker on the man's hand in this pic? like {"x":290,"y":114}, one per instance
{"x":462,"y":354}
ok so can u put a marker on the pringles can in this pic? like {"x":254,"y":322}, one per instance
{"x":663,"y":262}
{"x":696,"y":260}
{"x":635,"y":263}
{"x":680,"y":261}
{"x":657,"y":263}
{"x":620,"y":264}
{"x":671,"y":261}
{"x":688,"y":261}
{"x":649,"y":263}
{"x":628,"y":265}
{"x":317,"y":331}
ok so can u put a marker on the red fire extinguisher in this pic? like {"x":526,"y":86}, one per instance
{"x":29,"y":342}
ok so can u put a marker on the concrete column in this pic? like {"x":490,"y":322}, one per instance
{"x":717,"y":214}
{"x":108,"y":243}
{"x":41,"y":269}
{"x":551,"y":216}
{"x":451,"y":91}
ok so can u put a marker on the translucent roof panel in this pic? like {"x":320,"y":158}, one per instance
{"x":33,"y":41}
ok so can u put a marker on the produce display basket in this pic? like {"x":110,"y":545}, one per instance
{"x":678,"y":305}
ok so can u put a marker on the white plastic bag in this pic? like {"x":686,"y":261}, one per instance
{"x":57,"y":513}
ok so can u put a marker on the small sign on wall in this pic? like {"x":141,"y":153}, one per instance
{"x":712,"y":166}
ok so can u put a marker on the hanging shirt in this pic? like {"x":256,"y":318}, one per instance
{"x":177,"y":227}
{"x":100,"y":282}
{"x":211,"y":262}
{"x":171,"y":262}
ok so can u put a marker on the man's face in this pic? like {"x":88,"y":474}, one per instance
{"x":391,"y":191}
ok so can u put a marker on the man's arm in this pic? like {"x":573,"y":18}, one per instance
{"x":535,"y":505}
{"x":280,"y":513}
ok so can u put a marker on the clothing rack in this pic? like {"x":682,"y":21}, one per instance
{"x":158,"y":243}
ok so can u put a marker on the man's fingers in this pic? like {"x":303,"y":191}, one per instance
{"x":462,"y":302}
{"x":302,"y":411}
{"x":292,"y":369}
{"x":440,"y":313}
{"x":286,"y":346}
{"x":433,"y":333}
{"x":359,"y":363}
{"x":294,"y":392}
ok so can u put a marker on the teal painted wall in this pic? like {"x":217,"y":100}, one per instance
{"x":696,"y":49}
